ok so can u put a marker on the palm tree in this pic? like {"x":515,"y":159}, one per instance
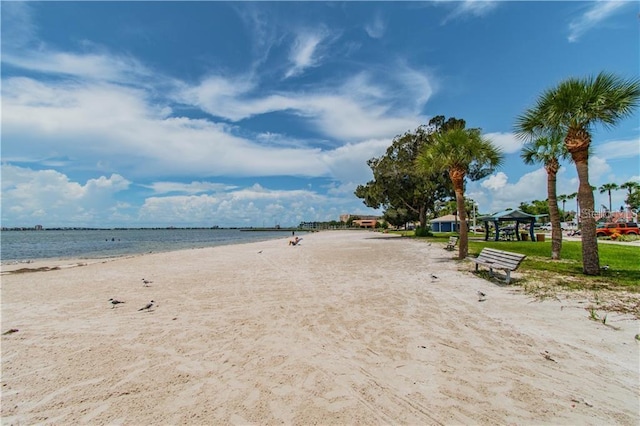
{"x":608,"y":187}
{"x":571,"y":197}
{"x":563,"y":198}
{"x":548,"y":150}
{"x":458,"y":151}
{"x":630,"y":186}
{"x":574,"y":107}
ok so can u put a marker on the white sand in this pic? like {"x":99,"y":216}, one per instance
{"x":346,"y":328}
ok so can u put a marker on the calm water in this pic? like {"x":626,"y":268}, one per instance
{"x":30,"y":245}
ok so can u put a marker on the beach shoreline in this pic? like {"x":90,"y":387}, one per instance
{"x":346,"y":327}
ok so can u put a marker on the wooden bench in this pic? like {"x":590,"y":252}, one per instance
{"x":452,"y":243}
{"x":498,"y":259}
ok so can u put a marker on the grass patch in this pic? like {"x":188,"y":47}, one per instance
{"x":623,"y":261}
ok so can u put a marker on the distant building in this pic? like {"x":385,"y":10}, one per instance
{"x":38,"y":228}
{"x":446,"y":223}
{"x":363,"y":221}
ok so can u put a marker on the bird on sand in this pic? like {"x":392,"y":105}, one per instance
{"x":147,"y":306}
{"x":115,"y":302}
{"x":481,"y":296}
{"x":145,"y":282}
{"x":434,"y":277}
{"x":260,"y":252}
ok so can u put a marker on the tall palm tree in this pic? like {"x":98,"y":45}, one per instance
{"x":548,"y":150}
{"x":458,"y":151}
{"x":574,"y":107}
{"x":608,"y":187}
{"x":563,"y":198}
{"x":629,"y":186}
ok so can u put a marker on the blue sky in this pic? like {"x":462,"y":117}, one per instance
{"x":264,"y":113}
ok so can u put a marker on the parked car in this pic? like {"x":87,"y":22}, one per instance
{"x":629,"y":228}
{"x":563,"y":225}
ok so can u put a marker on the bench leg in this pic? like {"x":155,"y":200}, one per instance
{"x":476,"y":267}
{"x":508,"y":276}
{"x":491,"y":271}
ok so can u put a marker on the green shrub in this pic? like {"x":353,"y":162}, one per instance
{"x":423,"y":232}
{"x":628,"y":237}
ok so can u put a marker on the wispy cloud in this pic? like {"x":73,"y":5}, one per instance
{"x":304,"y":52}
{"x":379,"y":103}
{"x":597,"y":12}
{"x":18,"y":28}
{"x":91,"y":66}
{"x":199,"y":187}
{"x":376,"y":28}
{"x":473,"y":8}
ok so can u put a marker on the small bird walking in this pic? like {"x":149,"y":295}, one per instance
{"x":115,"y":302}
{"x":145,"y":282}
{"x":481,"y":296}
{"x":147,"y":307}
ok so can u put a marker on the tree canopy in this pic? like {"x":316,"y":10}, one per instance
{"x":405,"y":193}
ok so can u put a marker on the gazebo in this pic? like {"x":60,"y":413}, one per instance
{"x":516,"y":216}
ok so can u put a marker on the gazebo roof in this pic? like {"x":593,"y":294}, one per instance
{"x":509,"y":215}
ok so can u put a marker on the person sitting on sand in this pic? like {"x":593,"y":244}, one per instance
{"x":294,"y":241}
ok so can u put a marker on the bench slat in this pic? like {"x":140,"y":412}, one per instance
{"x":499,"y":259}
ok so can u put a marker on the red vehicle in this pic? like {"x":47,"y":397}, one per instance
{"x":629,"y":228}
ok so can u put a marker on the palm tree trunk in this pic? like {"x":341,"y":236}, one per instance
{"x":457,"y":178}
{"x":554,"y":213}
{"x":590,"y":257}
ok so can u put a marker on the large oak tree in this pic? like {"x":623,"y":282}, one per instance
{"x":406,"y":194}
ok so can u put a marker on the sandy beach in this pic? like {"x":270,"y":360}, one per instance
{"x":345,"y":328}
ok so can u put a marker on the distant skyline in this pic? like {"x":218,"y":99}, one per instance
{"x":235,"y":114}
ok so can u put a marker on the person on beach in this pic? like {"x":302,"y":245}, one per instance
{"x":294,"y":242}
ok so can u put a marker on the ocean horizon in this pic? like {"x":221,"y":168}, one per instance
{"x":31,"y":245}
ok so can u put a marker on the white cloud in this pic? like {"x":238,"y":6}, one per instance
{"x":495,"y":182}
{"x":531,"y":186}
{"x":611,"y":150}
{"x":597,"y":12}
{"x":116,"y":125}
{"x":29,"y":196}
{"x":52,"y":199}
{"x":508,"y":142}
{"x":598,"y":168}
{"x":252,"y":206}
{"x":348,"y":163}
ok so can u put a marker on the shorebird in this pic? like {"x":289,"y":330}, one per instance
{"x":145,"y":282}
{"x":147,"y":306}
{"x":115,"y":302}
{"x":481,"y":296}
{"x":260,"y":252}
{"x":433,"y":277}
